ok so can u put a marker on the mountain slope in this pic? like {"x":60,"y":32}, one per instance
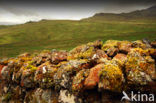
{"x":149,"y":13}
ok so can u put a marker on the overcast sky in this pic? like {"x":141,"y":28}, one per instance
{"x":21,"y":11}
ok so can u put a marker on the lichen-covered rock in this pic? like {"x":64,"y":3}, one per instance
{"x":92,"y":80}
{"x":139,"y":44}
{"x":91,"y":73}
{"x":66,"y":71}
{"x":98,"y":55}
{"x":84,"y":51}
{"x":124,"y":46}
{"x":58,"y":56}
{"x":27,"y":76}
{"x":111,"y":76}
{"x":44,"y":75}
{"x":42,"y":58}
{"x":4,"y":61}
{"x":120,"y":58}
{"x":24,"y":55}
{"x":111,"y":47}
{"x":79,"y":79}
{"x":140,"y":67}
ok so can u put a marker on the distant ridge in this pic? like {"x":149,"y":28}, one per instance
{"x":149,"y":13}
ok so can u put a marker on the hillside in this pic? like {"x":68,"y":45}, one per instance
{"x":65,"y":34}
{"x":149,"y":13}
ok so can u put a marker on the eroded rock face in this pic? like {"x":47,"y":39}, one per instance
{"x":93,"y":73}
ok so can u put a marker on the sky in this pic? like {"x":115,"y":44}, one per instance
{"x":21,"y":11}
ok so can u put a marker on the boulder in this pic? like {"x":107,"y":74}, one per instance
{"x":111,"y":77}
{"x":111,"y":47}
{"x":44,"y":75}
{"x":85,"y":51}
{"x":93,"y":78}
{"x":121,"y":57}
{"x":124,"y":46}
{"x":78,"y":80}
{"x":140,"y":67}
{"x":58,"y":56}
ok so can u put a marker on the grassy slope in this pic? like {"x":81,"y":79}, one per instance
{"x":68,"y":34}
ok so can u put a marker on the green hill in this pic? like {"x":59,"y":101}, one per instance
{"x":65,"y":34}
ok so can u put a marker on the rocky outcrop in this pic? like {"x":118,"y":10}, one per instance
{"x":96,"y":72}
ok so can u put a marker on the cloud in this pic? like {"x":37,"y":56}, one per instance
{"x":25,"y":10}
{"x":18,"y":11}
{"x":79,"y":1}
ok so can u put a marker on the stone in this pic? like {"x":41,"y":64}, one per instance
{"x":44,"y":75}
{"x":85,"y":51}
{"x":120,"y":58}
{"x":93,"y":78}
{"x":58,"y":56}
{"x":139,"y":44}
{"x":111,"y":47}
{"x":66,"y":97}
{"x":140,"y":67}
{"x":95,"y":72}
{"x":27,"y":76}
{"x":124,"y":46}
{"x":111,"y":77}
{"x":78,"y":80}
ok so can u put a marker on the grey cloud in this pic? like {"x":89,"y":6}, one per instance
{"x":17,"y":11}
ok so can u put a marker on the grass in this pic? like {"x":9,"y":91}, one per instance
{"x":64,"y":34}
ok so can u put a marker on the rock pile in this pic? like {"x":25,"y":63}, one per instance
{"x":93,"y":73}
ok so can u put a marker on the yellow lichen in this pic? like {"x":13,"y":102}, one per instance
{"x":111,"y":77}
{"x":109,"y":44}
